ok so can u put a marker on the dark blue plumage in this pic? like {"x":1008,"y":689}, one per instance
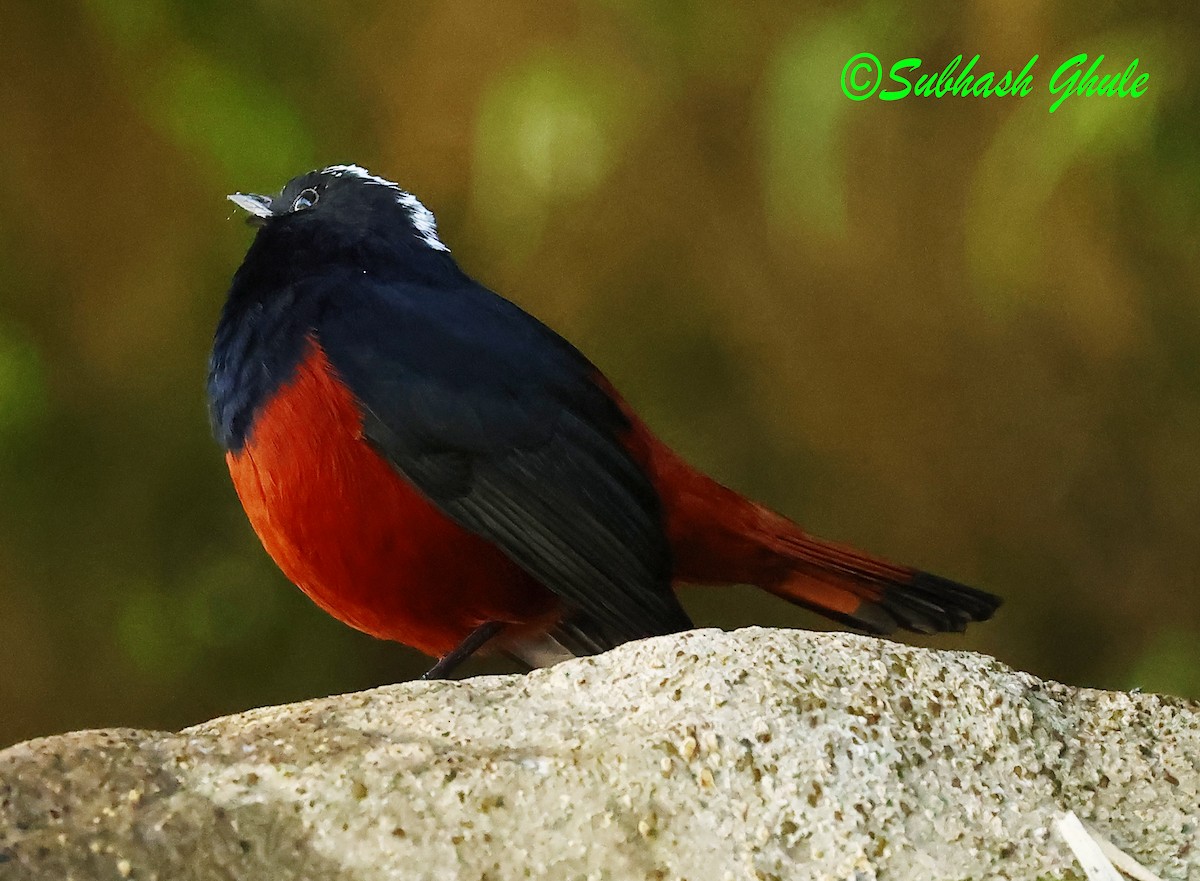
{"x":282,"y":287}
{"x":501,"y":423}
{"x":258,"y":345}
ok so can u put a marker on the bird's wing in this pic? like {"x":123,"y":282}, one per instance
{"x":501,"y":424}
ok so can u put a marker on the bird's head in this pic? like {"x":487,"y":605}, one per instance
{"x":344,"y":212}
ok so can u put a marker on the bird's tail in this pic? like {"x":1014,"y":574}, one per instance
{"x":870,"y":594}
{"x":720,"y":537}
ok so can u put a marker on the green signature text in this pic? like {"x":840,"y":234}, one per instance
{"x":863,"y":77}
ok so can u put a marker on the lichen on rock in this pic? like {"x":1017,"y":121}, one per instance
{"x":760,"y":754}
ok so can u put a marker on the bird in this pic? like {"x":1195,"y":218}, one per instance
{"x":433,"y":465}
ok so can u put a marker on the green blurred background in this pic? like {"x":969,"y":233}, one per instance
{"x":961,"y":333}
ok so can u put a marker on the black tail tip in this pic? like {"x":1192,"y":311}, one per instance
{"x":932,"y":604}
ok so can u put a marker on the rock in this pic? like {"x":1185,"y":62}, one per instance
{"x":761,"y":754}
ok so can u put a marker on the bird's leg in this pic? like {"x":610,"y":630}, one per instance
{"x":474,"y":641}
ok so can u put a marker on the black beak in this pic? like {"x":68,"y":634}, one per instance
{"x":258,"y":207}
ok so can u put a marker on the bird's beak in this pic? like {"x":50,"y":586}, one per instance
{"x":258,"y":207}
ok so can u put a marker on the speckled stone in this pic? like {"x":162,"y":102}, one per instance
{"x":761,"y":754}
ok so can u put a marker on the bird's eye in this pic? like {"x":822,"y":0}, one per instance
{"x":306,"y":199}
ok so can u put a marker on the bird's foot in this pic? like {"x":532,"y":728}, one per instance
{"x":475,"y":640}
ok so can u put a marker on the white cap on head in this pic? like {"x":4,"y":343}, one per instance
{"x":422,"y":218}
